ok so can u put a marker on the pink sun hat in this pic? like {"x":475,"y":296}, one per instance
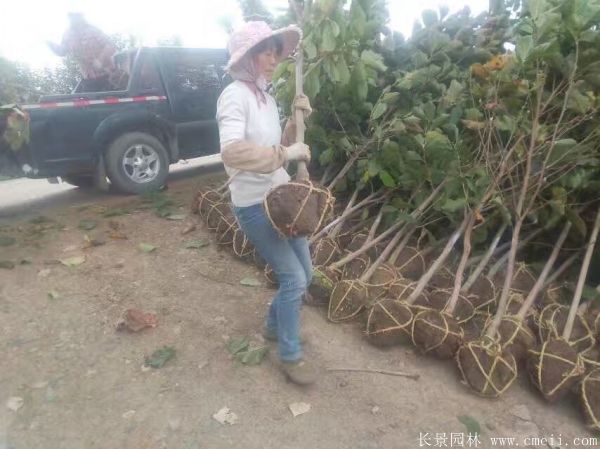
{"x":253,"y":33}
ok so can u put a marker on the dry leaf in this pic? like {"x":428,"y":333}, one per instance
{"x":299,"y":408}
{"x":135,"y":320}
{"x":14,"y":403}
{"x":146,"y":247}
{"x":225,"y":416}
{"x":117,"y":235}
{"x":73,"y":261}
{"x":189,"y":227}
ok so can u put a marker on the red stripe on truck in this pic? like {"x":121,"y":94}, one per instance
{"x":84,"y":102}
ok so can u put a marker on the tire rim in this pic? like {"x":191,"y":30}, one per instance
{"x":141,"y":163}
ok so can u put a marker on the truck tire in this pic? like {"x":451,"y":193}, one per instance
{"x":82,"y":181}
{"x":136,"y":163}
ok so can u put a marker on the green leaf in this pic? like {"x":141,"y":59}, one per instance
{"x":387,"y":179}
{"x":73,"y":261}
{"x":373,"y":60}
{"x":561,"y":151}
{"x":378,"y":110}
{"x":160,"y":357}
{"x":6,"y":240}
{"x":577,"y":221}
{"x":250,"y":282}
{"x":453,"y":93}
{"x":373,"y":168}
{"x":253,"y":356}
{"x":342,"y":71}
{"x":326,"y":157}
{"x":146,"y":247}
{"x":358,"y":82}
{"x":358,"y":19}
{"x":312,"y":84}
{"x":87,"y":225}
{"x":454,"y":205}
{"x":52,"y":295}
{"x":237,"y":345}
{"x":524,"y":47}
{"x":328,"y":37}
{"x":473,"y":427}
{"x":197,"y":244}
{"x":175,"y":217}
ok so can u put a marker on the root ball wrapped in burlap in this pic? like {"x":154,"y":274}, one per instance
{"x":554,"y":317}
{"x":590,"y":399}
{"x":298,"y":208}
{"x":323,"y":282}
{"x":436,"y":333}
{"x":402,"y":288}
{"x":324,"y":252}
{"x":411,"y":263}
{"x":226,"y":229}
{"x":356,"y":267}
{"x":388,"y":323}
{"x":381,"y":280}
{"x":483,"y":294}
{"x":516,"y":336}
{"x":523,"y":279}
{"x":439,"y":298}
{"x":347,"y":300}
{"x":485,"y":368}
{"x":205,"y":200}
{"x":475,"y":326}
{"x":554,"y":367}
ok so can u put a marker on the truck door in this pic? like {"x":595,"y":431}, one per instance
{"x":193,"y":79}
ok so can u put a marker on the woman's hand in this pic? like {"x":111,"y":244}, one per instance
{"x":301,"y":102}
{"x":297,"y":152}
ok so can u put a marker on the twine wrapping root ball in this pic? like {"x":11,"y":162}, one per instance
{"x":205,"y":200}
{"x":298,"y":208}
{"x":356,"y":267}
{"x":485,"y":368}
{"x":436,"y":333}
{"x":554,"y":367}
{"x":483,"y":294}
{"x":242,"y":247}
{"x":347,"y":300}
{"x":439,"y":298}
{"x":554,"y":317}
{"x":388,"y":323}
{"x":590,"y":399}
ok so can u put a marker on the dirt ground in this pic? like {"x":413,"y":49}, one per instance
{"x":83,"y":384}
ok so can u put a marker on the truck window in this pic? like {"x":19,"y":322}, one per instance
{"x":192,"y":73}
{"x":149,"y":76}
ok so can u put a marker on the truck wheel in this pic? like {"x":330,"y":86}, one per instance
{"x":136,"y":163}
{"x":83,"y":181}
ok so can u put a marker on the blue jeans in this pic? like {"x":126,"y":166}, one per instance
{"x":291,"y":262}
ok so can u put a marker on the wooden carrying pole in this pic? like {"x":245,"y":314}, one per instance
{"x":302,"y":172}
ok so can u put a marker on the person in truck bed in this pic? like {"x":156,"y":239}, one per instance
{"x":93,"y":51}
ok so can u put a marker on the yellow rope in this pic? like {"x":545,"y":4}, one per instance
{"x":594,"y":376}
{"x":398,"y":325}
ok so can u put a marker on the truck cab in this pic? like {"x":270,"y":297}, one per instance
{"x":160,"y":109}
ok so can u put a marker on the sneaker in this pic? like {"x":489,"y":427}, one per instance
{"x":300,"y":372}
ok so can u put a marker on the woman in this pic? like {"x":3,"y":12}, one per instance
{"x":254,"y":155}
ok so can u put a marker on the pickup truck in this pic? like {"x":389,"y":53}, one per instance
{"x":165,"y":112}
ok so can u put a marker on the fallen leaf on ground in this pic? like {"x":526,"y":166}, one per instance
{"x":299,"y":408}
{"x":189,"y":227}
{"x":25,"y":262}
{"x":73,"y":261}
{"x":7,"y":264}
{"x":197,"y":244}
{"x":471,"y":424}
{"x":117,"y":235}
{"x":14,"y":403}
{"x":237,"y":345}
{"x":91,"y":242}
{"x":44,"y":272}
{"x":253,"y":356}
{"x":5,"y":240}
{"x":250,"y":282}
{"x":175,"y":217}
{"x":146,"y":247}
{"x":52,"y":295}
{"x":225,"y":416}
{"x":160,"y":357}
{"x":128,"y":414}
{"x":135,"y":320}
{"x":87,"y":225}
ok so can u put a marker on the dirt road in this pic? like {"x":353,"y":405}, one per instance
{"x":69,"y":380}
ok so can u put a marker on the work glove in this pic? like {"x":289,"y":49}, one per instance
{"x":301,"y":102}
{"x":297,"y":152}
